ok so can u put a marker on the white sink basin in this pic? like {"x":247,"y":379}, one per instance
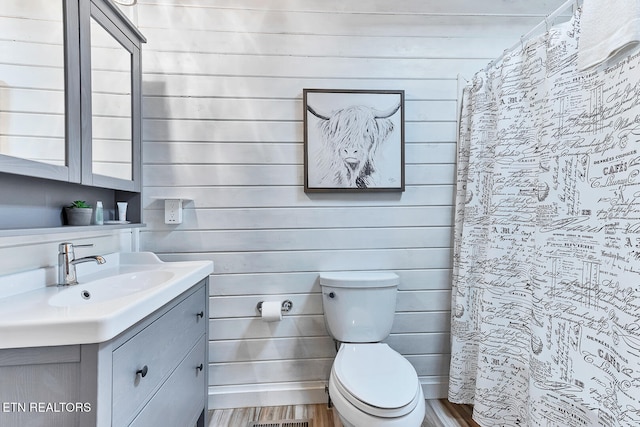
{"x":109,"y":299}
{"x":110,"y":288}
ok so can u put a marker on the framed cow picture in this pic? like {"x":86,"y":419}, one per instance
{"x":353,"y":140}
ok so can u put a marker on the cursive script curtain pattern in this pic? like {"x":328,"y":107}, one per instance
{"x":546,"y":277}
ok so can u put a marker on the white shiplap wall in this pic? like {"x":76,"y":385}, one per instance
{"x":222,"y":84}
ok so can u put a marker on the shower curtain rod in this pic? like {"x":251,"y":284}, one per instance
{"x":547,"y":22}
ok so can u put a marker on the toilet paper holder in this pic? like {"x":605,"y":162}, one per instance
{"x":287,"y":305}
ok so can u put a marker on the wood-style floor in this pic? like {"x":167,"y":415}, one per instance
{"x":439,"y":413}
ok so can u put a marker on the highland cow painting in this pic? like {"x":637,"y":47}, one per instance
{"x":353,"y":140}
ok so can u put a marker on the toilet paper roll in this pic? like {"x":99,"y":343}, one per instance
{"x":271,"y":311}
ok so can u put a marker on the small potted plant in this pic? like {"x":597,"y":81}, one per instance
{"x":79,"y":213}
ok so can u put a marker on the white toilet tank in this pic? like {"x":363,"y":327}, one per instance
{"x":359,"y":307}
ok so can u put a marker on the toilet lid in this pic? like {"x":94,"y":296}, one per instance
{"x":376,"y":375}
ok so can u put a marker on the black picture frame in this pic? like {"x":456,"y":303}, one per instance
{"x":353,"y":140}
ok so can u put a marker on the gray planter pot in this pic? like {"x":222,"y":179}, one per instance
{"x":79,"y":216}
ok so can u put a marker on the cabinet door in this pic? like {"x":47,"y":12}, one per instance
{"x":39,"y":89}
{"x":111,"y":91}
{"x":34,"y":382}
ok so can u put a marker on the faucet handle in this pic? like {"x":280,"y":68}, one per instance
{"x":67,"y":247}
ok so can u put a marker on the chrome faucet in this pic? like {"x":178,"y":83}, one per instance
{"x":67,"y":263}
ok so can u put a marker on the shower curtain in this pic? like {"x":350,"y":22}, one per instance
{"x":546,"y":272}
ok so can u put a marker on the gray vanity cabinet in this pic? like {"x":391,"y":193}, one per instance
{"x":152,"y":374}
{"x":144,"y":360}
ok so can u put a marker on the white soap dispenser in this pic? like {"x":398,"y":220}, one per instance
{"x":99,"y":213}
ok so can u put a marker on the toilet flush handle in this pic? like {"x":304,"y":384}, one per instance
{"x":330,"y":294}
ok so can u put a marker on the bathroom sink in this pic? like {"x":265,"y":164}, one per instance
{"x":110,"y":288}
{"x":108,"y":299}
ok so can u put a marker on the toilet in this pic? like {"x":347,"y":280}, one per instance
{"x":370,"y":384}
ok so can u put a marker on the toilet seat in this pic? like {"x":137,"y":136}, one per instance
{"x":376,"y":379}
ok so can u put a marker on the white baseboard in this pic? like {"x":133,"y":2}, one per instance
{"x":296,"y":393}
{"x":435,"y":387}
{"x":273,"y":394}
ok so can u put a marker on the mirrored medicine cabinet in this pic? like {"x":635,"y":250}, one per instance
{"x":70,"y":85}
{"x":70,"y":95}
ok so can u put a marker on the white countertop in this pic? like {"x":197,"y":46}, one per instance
{"x":27,"y":319}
